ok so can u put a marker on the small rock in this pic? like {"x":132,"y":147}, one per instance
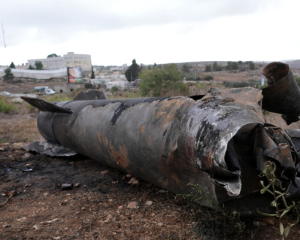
{"x":71,"y":163}
{"x":64,"y":203}
{"x":263,"y":224}
{"x":134,"y":181}
{"x":55,"y":238}
{"x":83,"y":208}
{"x":148,"y":203}
{"x":67,"y":186}
{"x":104,"y":172}
{"x":76,"y":185}
{"x":6,"y":225}
{"x":256,"y":223}
{"x":11,"y":193}
{"x":110,"y":200}
{"x":160,"y":224}
{"x":27,"y":185}
{"x":35,"y":227}
{"x":128,"y":175}
{"x":120,"y":207}
{"x":18,"y":146}
{"x":1,"y":149}
{"x":8,"y":169}
{"x":53,"y":220}
{"x":133,"y":205}
{"x":118,"y":225}
{"x":162,"y":191}
{"x":269,"y":221}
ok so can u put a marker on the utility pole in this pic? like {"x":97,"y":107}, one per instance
{"x":3,"y":36}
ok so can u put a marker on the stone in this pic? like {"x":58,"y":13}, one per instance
{"x":120,"y":207}
{"x":162,"y":191}
{"x":128,"y":175}
{"x":269,"y":221}
{"x":263,"y":224}
{"x":104,"y":172}
{"x":133,"y":205}
{"x":67,"y":186}
{"x":148,"y":203}
{"x":76,"y":185}
{"x":36,"y":227}
{"x":11,"y":193}
{"x":134,"y":181}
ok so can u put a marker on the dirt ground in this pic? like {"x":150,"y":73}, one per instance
{"x":101,"y":202}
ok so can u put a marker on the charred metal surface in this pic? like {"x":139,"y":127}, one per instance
{"x":90,"y":95}
{"x":50,"y":148}
{"x":282,"y":94}
{"x":219,"y":141}
{"x":45,"y":106}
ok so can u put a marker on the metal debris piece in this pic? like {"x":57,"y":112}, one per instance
{"x":219,"y":141}
{"x":50,"y":148}
{"x":27,"y":169}
{"x":67,"y":186}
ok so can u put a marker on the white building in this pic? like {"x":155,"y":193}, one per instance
{"x":68,"y":60}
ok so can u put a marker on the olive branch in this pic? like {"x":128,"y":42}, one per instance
{"x":273,"y":182}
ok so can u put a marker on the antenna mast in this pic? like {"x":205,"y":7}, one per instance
{"x":3,"y":36}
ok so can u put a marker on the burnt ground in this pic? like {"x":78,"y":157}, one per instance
{"x":103,"y":206}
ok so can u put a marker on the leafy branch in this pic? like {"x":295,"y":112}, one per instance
{"x":273,"y":182}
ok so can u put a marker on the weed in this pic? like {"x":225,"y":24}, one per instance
{"x":265,"y":112}
{"x":215,"y":222}
{"x":4,"y":140}
{"x":6,"y":107}
{"x":56,"y":97}
{"x":269,"y":173}
{"x":208,"y":77}
{"x":200,"y":86}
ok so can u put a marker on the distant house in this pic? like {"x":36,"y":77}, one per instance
{"x":68,"y":60}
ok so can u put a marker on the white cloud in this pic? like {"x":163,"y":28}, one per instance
{"x":115,"y":32}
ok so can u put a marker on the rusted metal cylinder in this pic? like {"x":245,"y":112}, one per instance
{"x":173,"y":141}
{"x":282,"y":94}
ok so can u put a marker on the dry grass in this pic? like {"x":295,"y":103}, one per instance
{"x":20,"y":124}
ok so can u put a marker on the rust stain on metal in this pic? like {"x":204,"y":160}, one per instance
{"x":143,"y":129}
{"x":120,"y":156}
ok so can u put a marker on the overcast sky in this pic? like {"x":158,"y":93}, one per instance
{"x":115,"y":32}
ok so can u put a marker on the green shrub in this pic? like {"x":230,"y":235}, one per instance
{"x":88,"y":86}
{"x":208,"y":77}
{"x":6,"y":107}
{"x":162,"y":82}
{"x":114,"y":89}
